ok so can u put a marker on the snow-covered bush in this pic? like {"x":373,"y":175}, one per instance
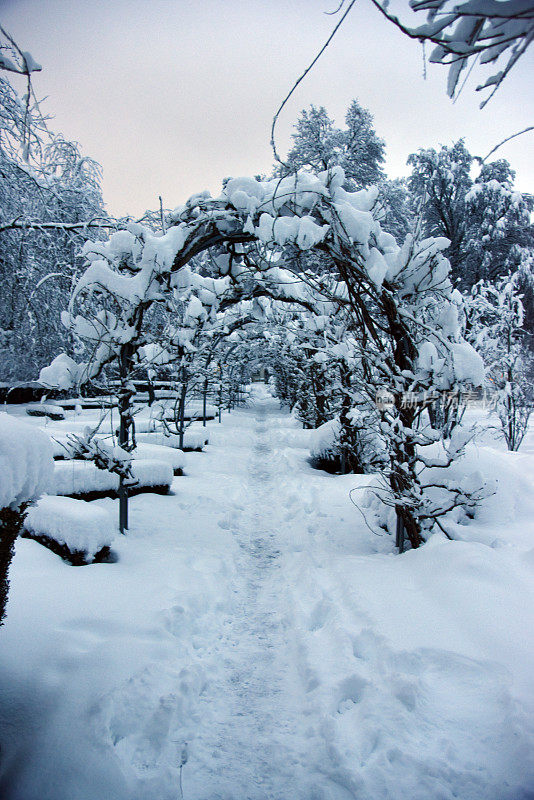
{"x":26,"y":468}
{"x":324,"y":446}
{"x":78,"y":531}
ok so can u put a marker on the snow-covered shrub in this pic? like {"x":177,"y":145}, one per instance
{"x":454,"y":477}
{"x":26,"y":467}
{"x":77,"y":531}
{"x":105,"y":456}
{"x":324,"y":446}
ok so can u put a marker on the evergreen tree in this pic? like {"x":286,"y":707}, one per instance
{"x":498,"y":224}
{"x":398,"y":215}
{"x":487,"y":221}
{"x":318,"y":145}
{"x":438,"y":184}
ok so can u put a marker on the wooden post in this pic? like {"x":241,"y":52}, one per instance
{"x":204,"y":401}
{"x":399,"y":535}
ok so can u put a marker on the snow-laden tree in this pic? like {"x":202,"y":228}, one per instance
{"x":319,"y":144}
{"x":496,"y":327}
{"x":438,"y":185}
{"x":399,"y":304}
{"x":49,"y":193}
{"x":398,"y":214}
{"x":483,"y":31}
{"x":486,"y":220}
{"x":500,"y":235}
{"x":317,"y":371}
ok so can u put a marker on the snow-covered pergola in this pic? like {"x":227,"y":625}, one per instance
{"x":398,"y":299}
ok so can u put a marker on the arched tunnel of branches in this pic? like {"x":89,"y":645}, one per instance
{"x":295,"y":274}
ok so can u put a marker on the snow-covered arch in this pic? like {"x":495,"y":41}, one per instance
{"x":398,"y":299}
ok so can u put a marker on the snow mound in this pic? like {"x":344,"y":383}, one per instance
{"x":80,"y":526}
{"x":26,"y":463}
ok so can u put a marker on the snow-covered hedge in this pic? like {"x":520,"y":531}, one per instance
{"x":193,"y":410}
{"x":77,"y":530}
{"x":83,"y":478}
{"x":156,"y":452}
{"x":26,"y":464}
{"x":194,"y":439}
{"x":46,"y":410}
{"x":26,"y":468}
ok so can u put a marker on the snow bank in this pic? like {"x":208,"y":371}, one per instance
{"x":26,"y":464}
{"x":410,"y":668}
{"x":82,"y":477}
{"x":80,"y":526}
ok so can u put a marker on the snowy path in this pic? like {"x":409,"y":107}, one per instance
{"x":248,"y":751}
{"x":252,"y":615}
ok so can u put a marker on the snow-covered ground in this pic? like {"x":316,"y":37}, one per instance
{"x":255,"y":617}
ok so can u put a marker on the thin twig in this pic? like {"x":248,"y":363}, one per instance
{"x":299,"y":80}
{"x":508,"y":138}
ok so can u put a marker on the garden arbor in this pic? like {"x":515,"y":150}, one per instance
{"x":388,"y":312}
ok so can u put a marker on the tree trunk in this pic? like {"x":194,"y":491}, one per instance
{"x":126,"y":393}
{"x":181,"y":409}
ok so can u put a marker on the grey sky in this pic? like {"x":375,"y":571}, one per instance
{"x":170,"y":96}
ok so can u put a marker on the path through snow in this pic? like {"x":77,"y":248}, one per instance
{"x":254,"y":617}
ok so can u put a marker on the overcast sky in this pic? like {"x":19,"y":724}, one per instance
{"x":170,"y":96}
